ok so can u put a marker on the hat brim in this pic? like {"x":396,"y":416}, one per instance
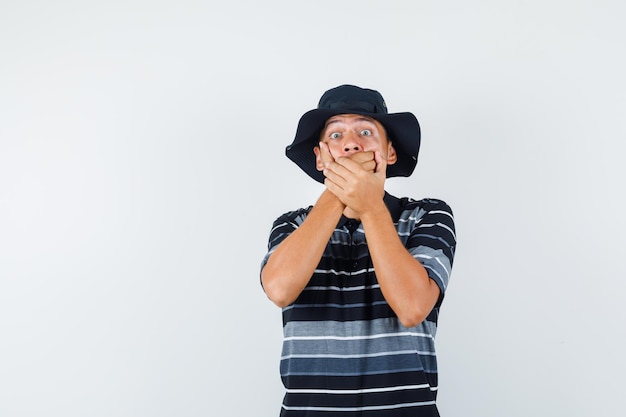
{"x":403,"y":130}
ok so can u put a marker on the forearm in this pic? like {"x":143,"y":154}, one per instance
{"x":403,"y":280}
{"x":291,"y":265}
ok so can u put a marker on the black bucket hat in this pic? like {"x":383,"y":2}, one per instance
{"x":402,"y":129}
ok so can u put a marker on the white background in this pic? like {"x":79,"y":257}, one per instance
{"x":142,"y":165}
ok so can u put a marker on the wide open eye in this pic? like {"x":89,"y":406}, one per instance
{"x":366,"y":132}
{"x":335,"y":135}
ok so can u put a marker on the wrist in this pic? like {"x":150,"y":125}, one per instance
{"x":374,"y":212}
{"x":330,"y":200}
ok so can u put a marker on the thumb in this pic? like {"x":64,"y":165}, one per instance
{"x":381,"y":163}
{"x":325,"y":154}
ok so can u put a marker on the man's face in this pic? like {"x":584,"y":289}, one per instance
{"x":347,"y":134}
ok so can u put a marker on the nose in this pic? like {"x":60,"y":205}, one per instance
{"x":351,"y":145}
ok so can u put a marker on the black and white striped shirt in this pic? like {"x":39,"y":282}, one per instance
{"x":345,"y":353}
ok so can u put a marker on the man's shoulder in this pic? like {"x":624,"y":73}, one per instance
{"x":299,"y":213}
{"x":423,"y":205}
{"x":428,"y":203}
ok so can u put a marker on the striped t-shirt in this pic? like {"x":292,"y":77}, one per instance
{"x":345,"y":353}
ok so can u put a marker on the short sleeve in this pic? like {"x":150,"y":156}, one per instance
{"x":432,"y":241}
{"x":281,"y":228}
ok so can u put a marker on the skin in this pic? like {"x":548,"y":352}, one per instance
{"x":353,"y":153}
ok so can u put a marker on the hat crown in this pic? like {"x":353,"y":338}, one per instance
{"x":350,"y":98}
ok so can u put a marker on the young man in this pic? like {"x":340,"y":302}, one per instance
{"x":360,"y":275}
